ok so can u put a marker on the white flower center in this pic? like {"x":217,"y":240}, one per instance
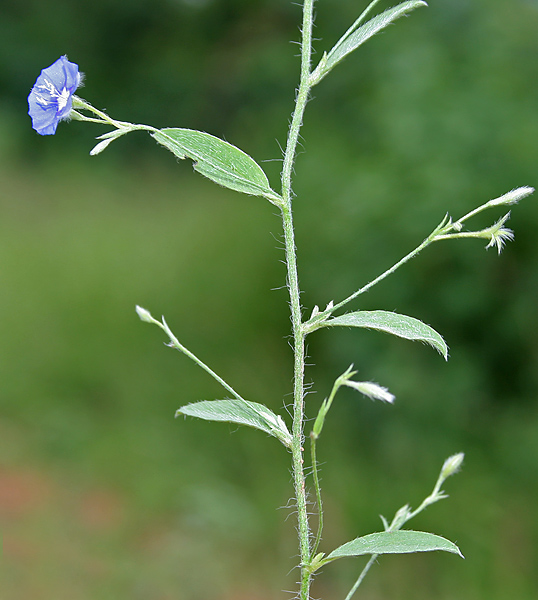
{"x":63,"y":97}
{"x":47,"y":93}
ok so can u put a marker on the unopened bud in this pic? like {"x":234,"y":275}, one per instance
{"x":97,"y":149}
{"x":452,"y":465}
{"x":512,"y":197}
{"x":372,"y":390}
{"x":144,"y":315}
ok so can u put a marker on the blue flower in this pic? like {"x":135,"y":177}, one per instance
{"x":51,"y":98}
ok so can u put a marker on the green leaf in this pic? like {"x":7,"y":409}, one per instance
{"x":394,"y":542}
{"x":242,"y":412}
{"x":356,"y":37}
{"x":218,"y":160}
{"x":389,"y":322}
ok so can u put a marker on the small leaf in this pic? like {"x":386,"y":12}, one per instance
{"x":218,"y":160}
{"x":389,"y":322}
{"x":394,"y":542}
{"x":242,"y":412}
{"x":356,"y":38}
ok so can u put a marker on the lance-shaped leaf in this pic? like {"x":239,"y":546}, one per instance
{"x":241,"y":412}
{"x":393,"y":542}
{"x":356,"y":36}
{"x":218,"y":160}
{"x":389,"y":322}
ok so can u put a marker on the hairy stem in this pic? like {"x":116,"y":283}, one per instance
{"x":295,"y":302}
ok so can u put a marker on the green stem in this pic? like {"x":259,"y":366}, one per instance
{"x":447,"y":230}
{"x":356,"y":24}
{"x":317,"y":487}
{"x":82,"y":104}
{"x":388,"y":272}
{"x":357,"y":583}
{"x":295,"y":302}
{"x":103,"y":117}
{"x":175,"y":343}
{"x":439,"y":233}
{"x":405,"y":514}
{"x":435,"y":496}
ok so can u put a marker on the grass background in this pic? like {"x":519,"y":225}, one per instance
{"x":102,"y":493}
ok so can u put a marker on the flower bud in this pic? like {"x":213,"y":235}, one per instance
{"x":144,"y":315}
{"x":372,"y":390}
{"x":97,"y":149}
{"x":512,"y":197}
{"x":452,"y":465}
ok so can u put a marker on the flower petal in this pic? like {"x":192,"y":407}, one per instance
{"x":51,"y":98}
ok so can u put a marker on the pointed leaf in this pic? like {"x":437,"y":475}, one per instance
{"x":389,"y":322}
{"x":353,"y":40}
{"x":218,"y":160}
{"x":242,"y":412}
{"x":394,"y":542}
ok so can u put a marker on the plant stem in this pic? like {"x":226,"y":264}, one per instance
{"x":361,"y":577}
{"x":317,"y":487}
{"x":388,"y":272}
{"x":103,"y":117}
{"x":356,"y":24}
{"x":440,"y":232}
{"x":175,"y":343}
{"x":295,"y":302}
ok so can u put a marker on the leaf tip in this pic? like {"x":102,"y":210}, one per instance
{"x":442,"y":347}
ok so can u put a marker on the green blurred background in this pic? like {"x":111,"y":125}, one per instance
{"x":103,"y":495}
